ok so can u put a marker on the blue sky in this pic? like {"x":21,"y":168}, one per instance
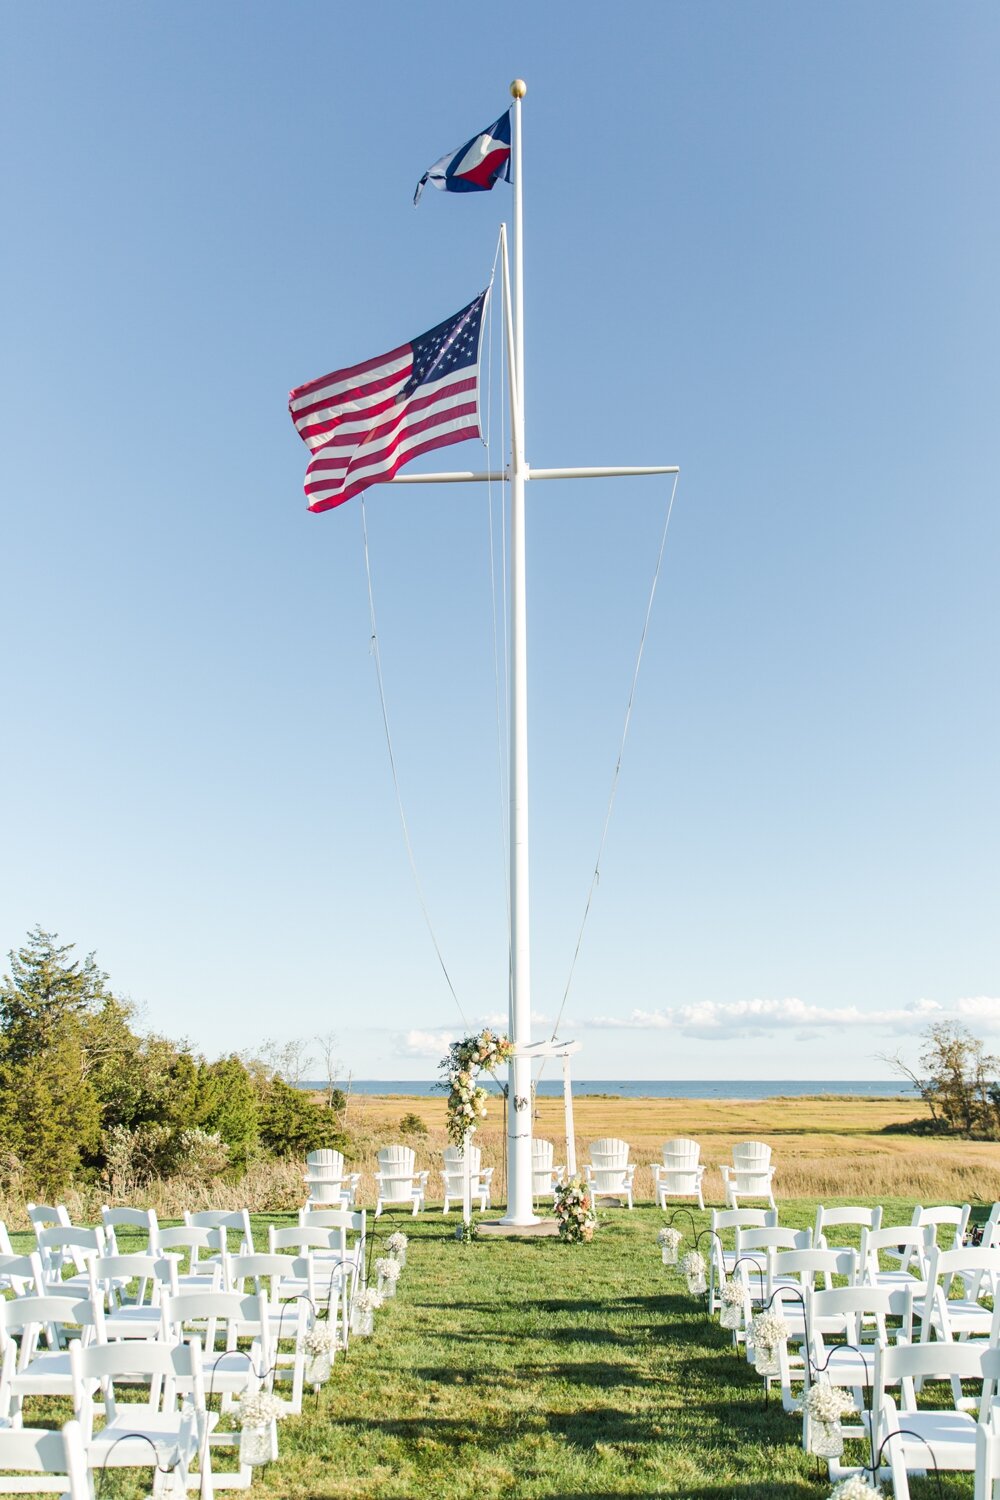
{"x":761,"y":243}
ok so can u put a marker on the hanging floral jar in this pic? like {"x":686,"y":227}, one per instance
{"x":732,"y":1295}
{"x":695,"y":1272}
{"x":669,"y":1240}
{"x":364,"y":1306}
{"x":822,"y":1410}
{"x":855,"y":1488}
{"x":768,"y":1331}
{"x":317,"y":1345}
{"x":257,"y":1416}
{"x":388,"y":1274}
{"x":396,"y":1245}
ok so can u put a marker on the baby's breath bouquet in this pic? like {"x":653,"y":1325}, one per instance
{"x":317,"y":1345}
{"x":855,"y":1488}
{"x":694,"y":1270}
{"x":364,"y":1305}
{"x":669,"y":1239}
{"x":388,"y":1271}
{"x":396,"y":1245}
{"x":257,"y":1418}
{"x":822,"y":1410}
{"x":768,"y":1331}
{"x":732,"y":1295}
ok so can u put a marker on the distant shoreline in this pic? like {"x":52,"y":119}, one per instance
{"x":737,"y":1089}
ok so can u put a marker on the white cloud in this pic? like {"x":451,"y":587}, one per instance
{"x":710,"y":1018}
{"x":433,"y":1044}
{"x":979,"y":1010}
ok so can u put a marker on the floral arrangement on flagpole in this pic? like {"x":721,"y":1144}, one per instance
{"x":574,"y":1207}
{"x":465,"y":1061}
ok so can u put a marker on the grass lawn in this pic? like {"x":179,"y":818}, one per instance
{"x":537,"y":1369}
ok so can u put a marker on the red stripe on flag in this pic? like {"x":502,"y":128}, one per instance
{"x":369,"y":454}
{"x":348,"y":372}
{"x":439,"y":442}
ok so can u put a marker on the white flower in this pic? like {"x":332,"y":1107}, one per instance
{"x":693,"y":1264}
{"x":855,"y":1488}
{"x":369,"y":1299}
{"x":388,"y":1268}
{"x":397,"y":1241}
{"x":828,"y":1403}
{"x":318,"y":1339}
{"x":768,"y":1330}
{"x":669,"y":1237}
{"x":258,"y":1410}
{"x":731,"y":1292}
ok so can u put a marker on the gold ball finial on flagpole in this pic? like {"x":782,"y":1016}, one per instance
{"x":519,"y":88}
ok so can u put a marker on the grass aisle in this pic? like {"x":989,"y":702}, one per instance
{"x":537,"y":1369}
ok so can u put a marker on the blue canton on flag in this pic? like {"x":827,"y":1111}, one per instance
{"x":476,"y":166}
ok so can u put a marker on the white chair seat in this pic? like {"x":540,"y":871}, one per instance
{"x":951,"y":1434}
{"x":48,"y":1374}
{"x":130,"y":1435}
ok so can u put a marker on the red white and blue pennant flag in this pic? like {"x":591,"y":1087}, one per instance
{"x":476,"y":166}
{"x":365,"y":422}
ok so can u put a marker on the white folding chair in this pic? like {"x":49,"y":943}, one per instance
{"x":163,"y":1432}
{"x":69,"y":1250}
{"x":133,"y":1314}
{"x":945,"y":1317}
{"x":845,"y":1325}
{"x":680,"y":1173}
{"x":752,"y":1246}
{"x":721,"y":1259}
{"x":56,"y":1462}
{"x":791,"y":1274}
{"x":22,"y":1274}
{"x":609,"y":1173}
{"x":203,"y":1248}
{"x":947,"y":1217}
{"x":292,"y":1302}
{"x":224,"y":1224}
{"x":909,"y":1247}
{"x":333,"y":1269}
{"x":33,"y":1338}
{"x":913,"y":1439}
{"x":843,"y":1218}
{"x":142,"y":1220}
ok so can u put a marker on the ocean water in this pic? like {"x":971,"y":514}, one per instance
{"x":665,"y":1088}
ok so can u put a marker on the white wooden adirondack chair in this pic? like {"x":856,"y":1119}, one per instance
{"x":328,"y":1184}
{"x":751,"y":1174}
{"x":453,"y":1177}
{"x":397,"y":1180}
{"x":680,"y":1173}
{"x":608,"y":1172}
{"x":545,"y":1177}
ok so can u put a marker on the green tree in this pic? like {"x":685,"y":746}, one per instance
{"x":957,"y":1081}
{"x":49,"y":1109}
{"x":227,"y":1105}
{"x":291,"y":1124}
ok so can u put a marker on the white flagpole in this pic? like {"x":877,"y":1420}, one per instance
{"x":520,"y":1207}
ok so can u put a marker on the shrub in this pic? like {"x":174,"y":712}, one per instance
{"x":412,"y":1124}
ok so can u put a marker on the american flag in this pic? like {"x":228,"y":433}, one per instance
{"x":363,"y":423}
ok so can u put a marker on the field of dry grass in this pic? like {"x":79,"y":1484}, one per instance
{"x":823,"y":1146}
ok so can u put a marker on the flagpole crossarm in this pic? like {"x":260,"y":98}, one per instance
{"x":547,"y":1049}
{"x":461,"y":476}
{"x":603,"y":473}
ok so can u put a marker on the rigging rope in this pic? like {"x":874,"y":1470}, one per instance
{"x":392,"y":766}
{"x":595,"y":878}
